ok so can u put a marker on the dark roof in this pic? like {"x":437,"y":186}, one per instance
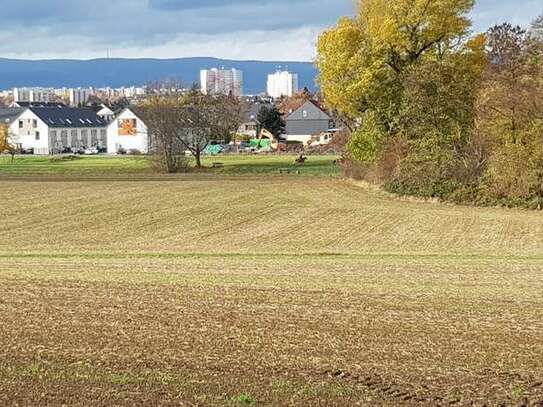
{"x":250,"y":114}
{"x":8,"y":115}
{"x":68,"y":117}
{"x":296,"y":105}
{"x":40,"y":104}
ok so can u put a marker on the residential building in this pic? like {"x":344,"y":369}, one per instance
{"x":249,"y":127}
{"x":21,"y":94}
{"x":7,"y":116}
{"x":307,"y":121}
{"x":79,"y":96}
{"x":37,"y":104}
{"x":221,"y":82}
{"x":106,"y":113}
{"x":52,"y":130}
{"x":207,"y":81}
{"x":282,"y":83}
{"x":43,"y":95}
{"x":127,"y":133}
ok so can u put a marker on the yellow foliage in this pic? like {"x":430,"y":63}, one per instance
{"x":4,"y":144}
{"x":412,"y":25}
{"x":361,"y":57}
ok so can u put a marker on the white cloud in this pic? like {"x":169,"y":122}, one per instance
{"x":285,"y":45}
{"x":238,"y":29}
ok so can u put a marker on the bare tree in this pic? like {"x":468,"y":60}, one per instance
{"x":208,"y":119}
{"x":187,"y":123}
{"x":161,"y":115}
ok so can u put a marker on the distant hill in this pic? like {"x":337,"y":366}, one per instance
{"x":126,"y":72}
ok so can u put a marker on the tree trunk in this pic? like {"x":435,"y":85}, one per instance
{"x":197,"y":155}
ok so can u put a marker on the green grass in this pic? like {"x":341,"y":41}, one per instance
{"x":234,"y":165}
{"x":84,"y":165}
{"x":270,"y":164}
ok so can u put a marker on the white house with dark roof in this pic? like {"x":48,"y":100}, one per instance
{"x":52,"y":130}
{"x":128,"y":133}
{"x":106,"y":113}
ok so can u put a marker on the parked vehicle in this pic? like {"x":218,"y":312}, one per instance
{"x":91,"y":151}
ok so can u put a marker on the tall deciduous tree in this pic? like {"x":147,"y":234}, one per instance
{"x":361,"y":58}
{"x":510,"y":113}
{"x":405,"y":70}
{"x":271,"y":119}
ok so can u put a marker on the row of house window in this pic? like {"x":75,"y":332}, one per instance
{"x":34,"y":123}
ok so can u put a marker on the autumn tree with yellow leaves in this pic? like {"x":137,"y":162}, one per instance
{"x":408,"y":77}
{"x":363,"y":58}
{"x":6,"y":145}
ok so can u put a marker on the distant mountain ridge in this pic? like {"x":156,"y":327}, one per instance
{"x":127,"y":72}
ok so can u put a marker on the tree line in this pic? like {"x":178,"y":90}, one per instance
{"x":434,"y":110}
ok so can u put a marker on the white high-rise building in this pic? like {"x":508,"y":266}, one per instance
{"x":79,"y":96}
{"x":207,"y":81}
{"x":21,"y":95}
{"x":221,"y":82}
{"x":282,"y":83}
{"x":41,"y":95}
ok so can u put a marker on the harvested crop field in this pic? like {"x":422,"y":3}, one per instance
{"x":255,"y":291}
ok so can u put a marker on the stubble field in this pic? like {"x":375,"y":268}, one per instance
{"x":264,"y":291}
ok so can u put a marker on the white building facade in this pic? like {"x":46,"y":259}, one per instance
{"x":282,"y":83}
{"x":41,"y":95}
{"x":79,"y":96}
{"x":127,"y":133}
{"x":106,"y":114}
{"x":54,"y":130}
{"x":221,"y":82}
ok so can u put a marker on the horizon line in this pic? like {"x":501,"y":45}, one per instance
{"x":150,"y":59}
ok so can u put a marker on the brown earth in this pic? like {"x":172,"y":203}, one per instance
{"x":291,"y":292}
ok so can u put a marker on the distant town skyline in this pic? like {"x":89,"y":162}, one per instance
{"x":235,"y":29}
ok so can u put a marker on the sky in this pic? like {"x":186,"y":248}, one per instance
{"x":234,"y":29}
